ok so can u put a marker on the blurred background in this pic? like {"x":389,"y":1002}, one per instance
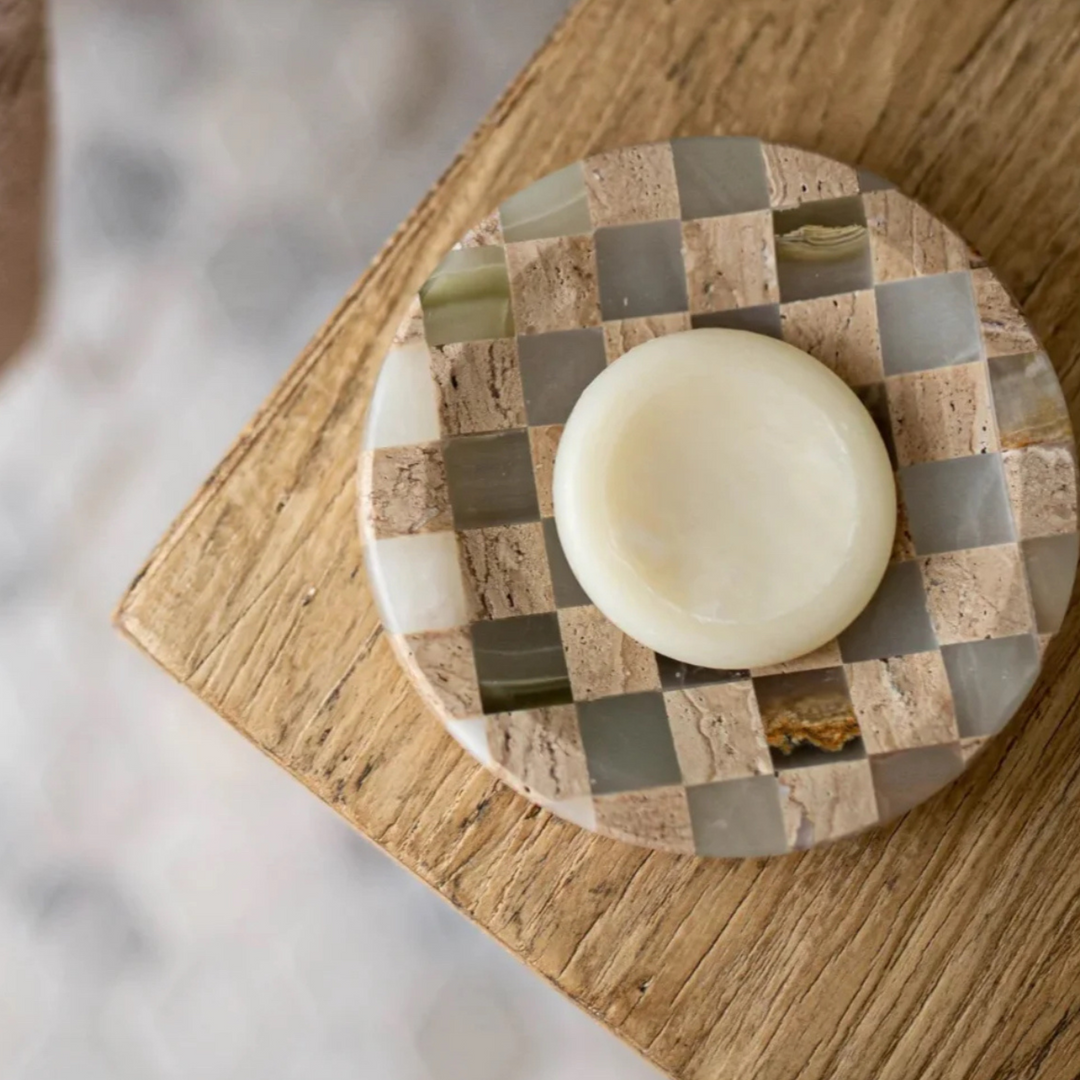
{"x":170,"y":904}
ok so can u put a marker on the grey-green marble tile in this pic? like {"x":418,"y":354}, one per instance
{"x":568,"y":592}
{"x":989,"y":680}
{"x":719,"y":176}
{"x":555,"y":205}
{"x":467,"y":298}
{"x":956,"y":504}
{"x":761,"y":319}
{"x":628,"y":743}
{"x":870,"y":181}
{"x":738,"y":818}
{"x":490,"y":479}
{"x":675,"y":675}
{"x":556,"y":368}
{"x":876,"y":400}
{"x":928,"y":322}
{"x":520,"y":663}
{"x":905,"y":778}
{"x":895,"y":622}
{"x":641,"y":270}
{"x":1028,"y":401}
{"x":822,"y":248}
{"x":1050,"y":562}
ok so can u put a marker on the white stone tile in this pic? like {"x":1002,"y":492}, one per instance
{"x":404,"y":408}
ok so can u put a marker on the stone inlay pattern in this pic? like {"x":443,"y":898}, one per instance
{"x":480,"y":603}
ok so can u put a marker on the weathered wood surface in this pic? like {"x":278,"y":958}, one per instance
{"x":947,"y":946}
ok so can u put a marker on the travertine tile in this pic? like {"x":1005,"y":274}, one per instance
{"x":444,"y":662}
{"x":826,"y":656}
{"x":840,"y":331}
{"x":718,"y":733}
{"x":553,"y":284}
{"x":505,"y":571}
{"x":908,"y":241}
{"x":1041,"y":481}
{"x":827,"y":802}
{"x":903,"y":701}
{"x":1004,"y":329}
{"x":632,"y":184}
{"x":601,"y":659}
{"x":541,"y":748}
{"x":798,"y":176}
{"x":544,"y":444}
{"x":730,"y":261}
{"x":978,"y":593}
{"x":1028,"y":401}
{"x":941,"y":413}
{"x":479,"y":386}
{"x":408,"y":492}
{"x":486,"y":233}
{"x":623,"y":335}
{"x":659,"y":817}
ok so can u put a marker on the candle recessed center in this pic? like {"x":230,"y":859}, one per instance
{"x":724,"y":498}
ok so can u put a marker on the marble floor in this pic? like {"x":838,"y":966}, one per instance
{"x":170,"y":904}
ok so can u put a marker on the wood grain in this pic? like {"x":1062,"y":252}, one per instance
{"x":945,"y":946}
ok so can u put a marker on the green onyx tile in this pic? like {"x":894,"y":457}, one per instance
{"x":520,"y":663}
{"x":467,"y":298}
{"x":957,"y":504}
{"x":928,"y":322}
{"x":568,"y":592}
{"x":895,"y":622}
{"x":761,"y":319}
{"x":736,"y":819}
{"x":1050,"y":562}
{"x":1028,"y":401}
{"x":718,"y":176}
{"x":628,"y":743}
{"x":822,"y":249}
{"x":556,"y":368}
{"x":906,"y":778}
{"x":490,"y":480}
{"x":989,"y":681}
{"x":641,"y":270}
{"x":557,"y":205}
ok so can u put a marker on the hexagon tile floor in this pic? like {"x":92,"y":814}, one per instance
{"x":171,"y":906}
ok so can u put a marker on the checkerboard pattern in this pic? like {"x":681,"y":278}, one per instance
{"x":485,"y":613}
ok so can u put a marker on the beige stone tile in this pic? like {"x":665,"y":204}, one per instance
{"x":827,"y":802}
{"x":1004,"y":328}
{"x":906,"y":240}
{"x":408,"y":491}
{"x":903,"y":541}
{"x":633,"y":184}
{"x":486,"y":233}
{"x":840,"y":331}
{"x":659,"y":817}
{"x":730,"y":261}
{"x":544,"y":444}
{"x":478,"y":385}
{"x":978,"y":593}
{"x":601,"y":659}
{"x":797,"y":176}
{"x":444,"y":669}
{"x":717,"y":732}
{"x":622,"y":336}
{"x":553,"y":284}
{"x":505,"y":571}
{"x":411,"y":328}
{"x":1041,"y":481}
{"x":942,"y":413}
{"x":541,"y":749}
{"x":826,"y":656}
{"x":903,"y":702}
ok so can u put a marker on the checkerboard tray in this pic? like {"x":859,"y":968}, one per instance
{"x":484,"y":612}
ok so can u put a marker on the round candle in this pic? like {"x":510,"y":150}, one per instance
{"x":724,"y":498}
